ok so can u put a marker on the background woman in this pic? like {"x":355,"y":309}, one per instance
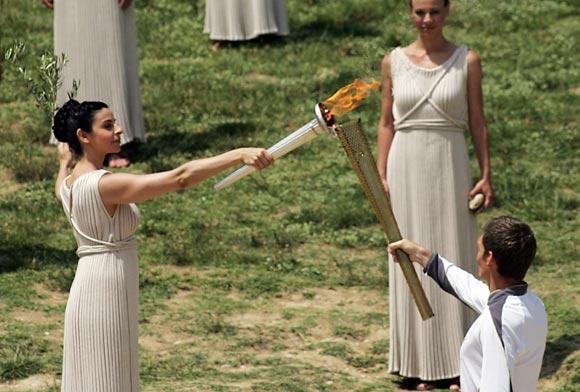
{"x":100,"y":328}
{"x":241,"y":20}
{"x":431,"y":94}
{"x":99,"y":38}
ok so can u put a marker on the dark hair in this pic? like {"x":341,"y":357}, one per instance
{"x":513,"y":245}
{"x":445,"y":3}
{"x":72,"y":116}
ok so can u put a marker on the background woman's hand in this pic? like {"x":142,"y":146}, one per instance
{"x":124,"y":4}
{"x":386,"y":186}
{"x":483,"y":186}
{"x":260,"y":158}
{"x":65,"y":157}
{"x":48,"y":3}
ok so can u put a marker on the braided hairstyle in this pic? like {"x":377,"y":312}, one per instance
{"x":72,"y":116}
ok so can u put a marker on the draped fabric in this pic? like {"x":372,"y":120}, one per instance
{"x":429,"y":180}
{"x":100,"y":42}
{"x":237,"y":20}
{"x":100,"y":327}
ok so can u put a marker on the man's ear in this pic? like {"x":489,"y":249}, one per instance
{"x":490,"y":260}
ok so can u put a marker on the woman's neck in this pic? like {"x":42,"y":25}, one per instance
{"x":90,"y":161}
{"x":432,"y":44}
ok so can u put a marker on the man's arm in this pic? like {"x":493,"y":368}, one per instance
{"x":457,"y":282}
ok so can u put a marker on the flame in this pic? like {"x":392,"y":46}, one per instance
{"x":350,"y":96}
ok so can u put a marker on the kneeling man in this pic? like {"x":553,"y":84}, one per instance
{"x":503,"y":349}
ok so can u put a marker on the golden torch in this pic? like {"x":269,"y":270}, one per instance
{"x":356,"y":146}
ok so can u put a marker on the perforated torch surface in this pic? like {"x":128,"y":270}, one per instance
{"x":356,"y":146}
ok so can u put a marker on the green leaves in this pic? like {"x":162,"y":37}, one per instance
{"x":44,"y":78}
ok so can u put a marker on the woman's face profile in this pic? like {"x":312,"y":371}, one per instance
{"x":105,"y":135}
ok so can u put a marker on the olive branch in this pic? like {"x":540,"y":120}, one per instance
{"x":43,"y":80}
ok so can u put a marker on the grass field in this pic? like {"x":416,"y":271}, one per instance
{"x":279,"y":283}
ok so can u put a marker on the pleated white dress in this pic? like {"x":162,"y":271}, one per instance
{"x":429,"y":180}
{"x":238,"y":20}
{"x":101,"y":317}
{"x":100,"y":42}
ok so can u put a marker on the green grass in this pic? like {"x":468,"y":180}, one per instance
{"x":280,"y":283}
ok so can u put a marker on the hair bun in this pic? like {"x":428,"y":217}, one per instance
{"x":63,"y":121}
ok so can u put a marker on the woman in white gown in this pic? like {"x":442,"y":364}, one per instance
{"x":99,"y":39}
{"x":100,"y":327}
{"x":431,"y":95}
{"x":240,"y":20}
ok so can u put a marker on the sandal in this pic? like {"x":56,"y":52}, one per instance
{"x":120,"y":159}
{"x":424,"y":386}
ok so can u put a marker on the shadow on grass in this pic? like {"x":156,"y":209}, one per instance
{"x":33,"y":256}
{"x":261,"y":42}
{"x":217,"y":136}
{"x":323,"y":30}
{"x":556,"y":353}
{"x":410,"y":384}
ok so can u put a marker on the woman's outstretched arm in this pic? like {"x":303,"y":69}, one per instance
{"x":124,"y":188}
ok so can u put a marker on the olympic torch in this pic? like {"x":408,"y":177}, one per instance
{"x":357,"y":149}
{"x":343,"y":101}
{"x":322,"y":123}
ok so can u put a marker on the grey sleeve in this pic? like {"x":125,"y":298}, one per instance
{"x":436,"y":271}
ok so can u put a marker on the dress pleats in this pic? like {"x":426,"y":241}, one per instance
{"x":100,"y":42}
{"x":429,"y":180}
{"x":237,"y":20}
{"x":100,"y":328}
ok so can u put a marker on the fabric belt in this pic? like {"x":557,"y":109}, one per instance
{"x":433,"y":124}
{"x":107,"y":247}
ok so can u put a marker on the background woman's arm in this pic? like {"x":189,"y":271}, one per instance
{"x":478,"y":127}
{"x":124,"y":4}
{"x":386,"y":129}
{"x":124,"y":188}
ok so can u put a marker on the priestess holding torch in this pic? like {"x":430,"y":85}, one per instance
{"x":100,"y":326}
{"x":431,"y":94}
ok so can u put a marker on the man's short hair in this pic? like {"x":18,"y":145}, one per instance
{"x":513,"y":245}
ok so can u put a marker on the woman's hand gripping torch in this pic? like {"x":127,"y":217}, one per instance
{"x":322,"y":123}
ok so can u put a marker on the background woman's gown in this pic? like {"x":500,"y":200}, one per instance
{"x":237,"y":20}
{"x":100,"y":325}
{"x":429,"y":180}
{"x":100,"y":42}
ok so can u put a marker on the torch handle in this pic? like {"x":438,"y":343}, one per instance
{"x":283,"y":147}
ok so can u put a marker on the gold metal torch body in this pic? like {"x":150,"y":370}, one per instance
{"x":356,"y":146}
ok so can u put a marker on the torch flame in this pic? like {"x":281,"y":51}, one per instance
{"x":350,"y":96}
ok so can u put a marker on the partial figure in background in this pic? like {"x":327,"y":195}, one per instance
{"x":99,"y":38}
{"x":431,"y":94}
{"x":242,"y":20}
{"x":101,"y":316}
